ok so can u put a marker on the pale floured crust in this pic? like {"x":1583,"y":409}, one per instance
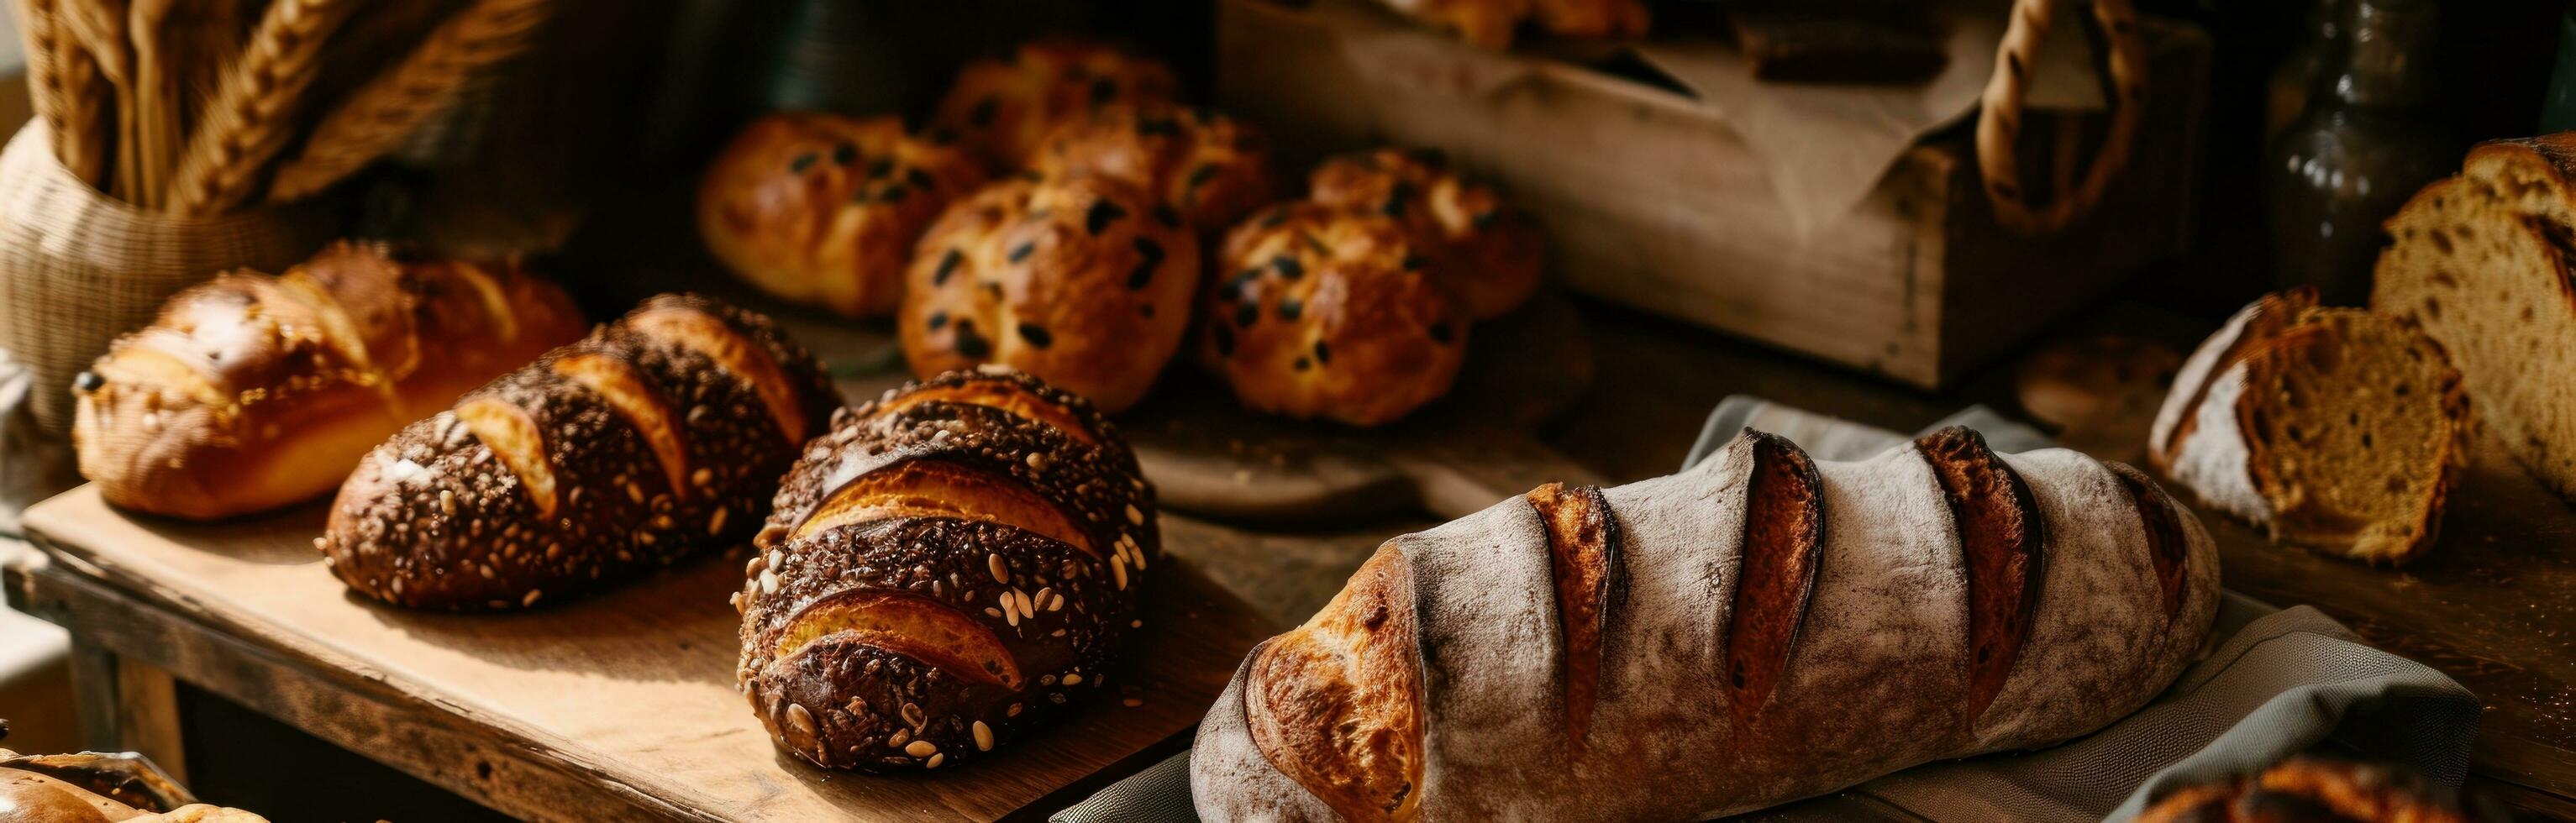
{"x":1883,"y":655}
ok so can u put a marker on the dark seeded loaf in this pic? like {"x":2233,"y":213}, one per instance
{"x":658,"y":437}
{"x":1761,"y":628}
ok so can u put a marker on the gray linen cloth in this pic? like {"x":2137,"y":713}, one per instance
{"x":2275,"y":682}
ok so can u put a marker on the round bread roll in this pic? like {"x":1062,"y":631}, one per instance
{"x":1489,"y":252}
{"x":2309,"y":789}
{"x":1083,"y":282}
{"x":1326,"y":312}
{"x":1211,"y":168}
{"x":1003,"y":111}
{"x":823,"y":210}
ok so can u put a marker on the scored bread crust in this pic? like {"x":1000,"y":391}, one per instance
{"x":547,"y":482}
{"x":252,"y":392}
{"x":950,"y":567}
{"x":1880,"y":673}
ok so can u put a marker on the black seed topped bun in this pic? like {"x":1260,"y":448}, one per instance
{"x":1489,"y":252}
{"x":1318,"y":311}
{"x":951,"y":566}
{"x":823,"y":210}
{"x":1003,"y":111}
{"x":1081,"y":281}
{"x":1210,"y":168}
{"x":656,"y":438}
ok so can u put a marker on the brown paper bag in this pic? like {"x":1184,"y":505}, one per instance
{"x":78,"y":268}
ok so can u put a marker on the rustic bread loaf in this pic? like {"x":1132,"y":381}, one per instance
{"x":1760,"y":628}
{"x":2486,"y":262}
{"x":1492,"y":23}
{"x":1083,"y":282}
{"x":657,"y":437}
{"x":1488,"y":251}
{"x":2315,"y":790}
{"x":823,"y":210}
{"x":950,"y":567}
{"x":251,"y":392}
{"x":2337,"y":429}
{"x":1332,"y":313}
{"x":1003,"y":111}
{"x":1209,"y":167}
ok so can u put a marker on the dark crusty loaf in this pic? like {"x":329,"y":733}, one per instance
{"x":252,"y":392}
{"x":656,"y":438}
{"x":1317,"y":311}
{"x":2486,"y":262}
{"x":952,"y":565}
{"x":1760,"y":628}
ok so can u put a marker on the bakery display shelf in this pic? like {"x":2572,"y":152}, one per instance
{"x":617,"y":706}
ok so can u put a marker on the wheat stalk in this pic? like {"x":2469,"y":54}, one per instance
{"x":62,"y":87}
{"x":99,"y":26}
{"x":251,"y":116}
{"x":389,"y":107}
{"x":155,"y":128}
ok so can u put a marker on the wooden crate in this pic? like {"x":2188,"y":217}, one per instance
{"x":1649,"y":199}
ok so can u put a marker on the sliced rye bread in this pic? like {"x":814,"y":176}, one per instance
{"x":2483,"y":261}
{"x":2336,"y":429}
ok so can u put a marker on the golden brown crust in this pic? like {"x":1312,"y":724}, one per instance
{"x":251,"y":392}
{"x":1784,"y":542}
{"x":2273,"y":314}
{"x":1004,"y":111}
{"x":1325,"y":312}
{"x":2312,"y":790}
{"x":1210,"y":168}
{"x":1492,"y":23}
{"x":1485,"y":249}
{"x":540,"y":485}
{"x":1335,"y":704}
{"x":1583,"y":558}
{"x":823,"y":210}
{"x":2000,"y":533}
{"x":1082,"y":282}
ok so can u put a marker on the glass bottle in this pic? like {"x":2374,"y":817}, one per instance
{"x":2319,"y":45}
{"x":2371,"y":137}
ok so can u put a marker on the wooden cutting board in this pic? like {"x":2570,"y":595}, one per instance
{"x":625,"y":698}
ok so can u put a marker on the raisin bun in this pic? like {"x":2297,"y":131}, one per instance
{"x":1003,"y":111}
{"x":1082,"y":281}
{"x":823,"y":210}
{"x":1332,"y":313}
{"x":1488,"y":251}
{"x":2317,"y":790}
{"x":1211,"y":168}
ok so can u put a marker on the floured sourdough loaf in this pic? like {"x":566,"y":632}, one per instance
{"x":1760,"y":628}
{"x":2482,"y":261}
{"x":2337,"y":429}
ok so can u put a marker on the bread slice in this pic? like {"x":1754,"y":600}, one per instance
{"x":2482,"y":261}
{"x":2337,"y":429}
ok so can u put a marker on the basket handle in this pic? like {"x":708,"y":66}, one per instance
{"x":2000,"y":122}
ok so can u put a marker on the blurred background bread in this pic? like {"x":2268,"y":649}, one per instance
{"x":1318,"y":312}
{"x":823,"y":210}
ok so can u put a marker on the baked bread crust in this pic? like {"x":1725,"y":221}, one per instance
{"x":1880,"y":666}
{"x":1327,"y":312}
{"x":948,"y":568}
{"x":1492,"y":23}
{"x":1082,"y":282}
{"x":1004,"y":111}
{"x":2313,"y":790}
{"x":1488,"y":251}
{"x":655,"y":439}
{"x":251,"y":392}
{"x":1210,"y":167}
{"x":822,"y":210}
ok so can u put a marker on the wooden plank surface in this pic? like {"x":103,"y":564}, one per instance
{"x":628,"y":695}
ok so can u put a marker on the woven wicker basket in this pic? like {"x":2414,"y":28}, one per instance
{"x":78,"y":268}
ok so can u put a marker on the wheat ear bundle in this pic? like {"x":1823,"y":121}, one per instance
{"x":389,"y":107}
{"x":156,"y":100}
{"x":252,"y":115}
{"x":99,"y":27}
{"x":64,"y":88}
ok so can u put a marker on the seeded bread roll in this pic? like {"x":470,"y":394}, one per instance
{"x":951,"y":567}
{"x":2337,"y":429}
{"x":1082,"y":282}
{"x":252,"y":392}
{"x":654,"y":439}
{"x":1757,"y":629}
{"x":1332,"y":313}
{"x":1489,"y":253}
{"x":2315,"y":790}
{"x":2486,"y":262}
{"x":1211,"y":168}
{"x":1492,"y":23}
{"x":823,"y":210}
{"x":1004,"y":111}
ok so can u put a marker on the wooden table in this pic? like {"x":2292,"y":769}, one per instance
{"x":2489,"y":606}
